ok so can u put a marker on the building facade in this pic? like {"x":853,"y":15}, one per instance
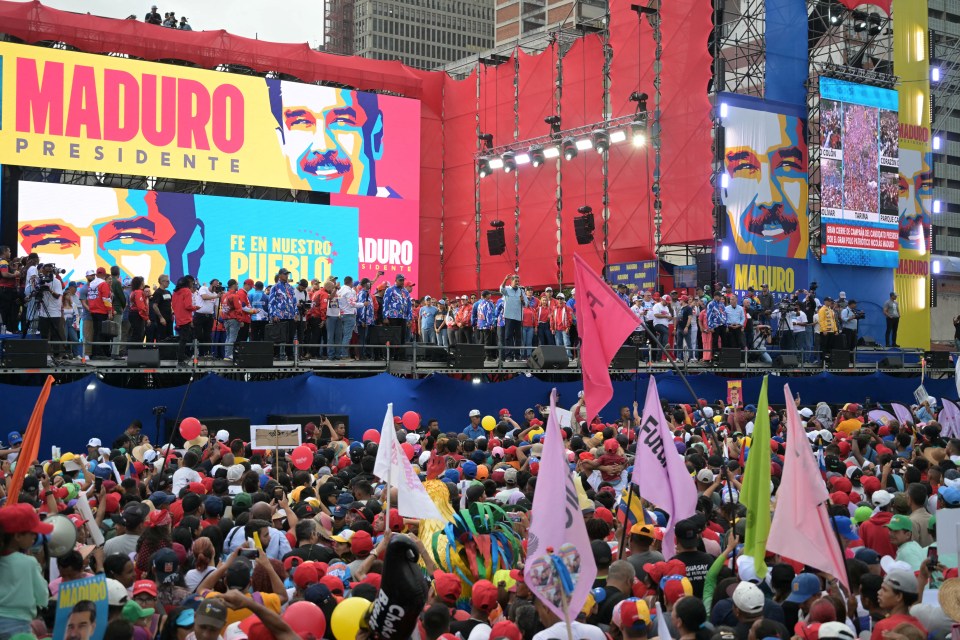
{"x":518,"y":19}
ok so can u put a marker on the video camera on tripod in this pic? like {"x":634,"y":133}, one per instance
{"x":45,"y":275}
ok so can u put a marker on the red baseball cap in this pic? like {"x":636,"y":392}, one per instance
{"x":447,"y":586}
{"x":839,"y":498}
{"x":333,"y":583}
{"x":361,"y":542}
{"x":145,"y":586}
{"x":484,"y":595}
{"x":305,"y":575}
{"x":248,"y":281}
{"x":603,"y":514}
{"x":504,"y":412}
{"x":505,"y":629}
{"x":101,"y":271}
{"x":611,"y":445}
{"x":21,"y":518}
{"x":197,"y":488}
{"x":870,"y":484}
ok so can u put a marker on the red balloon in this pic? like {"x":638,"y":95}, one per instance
{"x":302,"y":457}
{"x":190,"y":428}
{"x":306,"y":619}
{"x":371,"y":435}
{"x":407,"y":449}
{"x":411,"y":420}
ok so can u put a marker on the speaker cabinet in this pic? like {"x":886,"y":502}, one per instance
{"x":25,"y":354}
{"x":627,"y":357}
{"x":432,"y":353}
{"x":253,"y":355}
{"x":143,"y":357}
{"x":786,"y":361}
{"x":840,"y":359}
{"x":731,"y":358}
{"x":892,"y":362}
{"x":468,"y":356}
{"x":549,"y":357}
{"x":938,"y":359}
{"x":496,"y":242}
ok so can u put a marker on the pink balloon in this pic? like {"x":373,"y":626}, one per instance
{"x":371,"y":435}
{"x":190,"y":428}
{"x":302,"y":457}
{"x":408,"y":450}
{"x":306,"y":619}
{"x":411,"y":420}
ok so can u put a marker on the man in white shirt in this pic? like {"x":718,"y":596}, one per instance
{"x":554,"y":627}
{"x":662,"y":317}
{"x":347,"y":298}
{"x":206,"y":298}
{"x":185,"y":474}
{"x":30,"y":284}
{"x":50,"y":311}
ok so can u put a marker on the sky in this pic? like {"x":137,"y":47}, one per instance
{"x":248,"y":18}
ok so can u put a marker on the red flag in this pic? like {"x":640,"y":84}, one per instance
{"x":853,"y":4}
{"x":604,"y":322}
{"x":31,"y":444}
{"x":801,"y":529}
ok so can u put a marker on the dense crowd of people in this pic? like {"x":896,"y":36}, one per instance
{"x":860,"y":158}
{"x":339,"y":320}
{"x":215,"y":540}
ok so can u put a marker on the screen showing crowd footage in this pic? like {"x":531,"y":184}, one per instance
{"x":69,"y":110}
{"x":859,"y":190}
{"x":764,"y":182}
{"x":149,"y":233}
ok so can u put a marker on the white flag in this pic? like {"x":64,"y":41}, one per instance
{"x":392,"y":466}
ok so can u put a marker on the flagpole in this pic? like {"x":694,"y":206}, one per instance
{"x":626,"y":520}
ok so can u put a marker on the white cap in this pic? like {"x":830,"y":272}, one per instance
{"x":881,"y":498}
{"x":707,"y":413}
{"x":931,"y":401}
{"x":424,"y":458}
{"x":560,"y":296}
{"x":91,"y":272}
{"x":580,"y":394}
{"x":474,"y":413}
{"x":890,"y":564}
{"x":104,"y":451}
{"x":842,"y":294}
{"x":705,"y":475}
{"x":427,"y":298}
{"x":94,"y":442}
{"x":116,"y":593}
{"x":573,"y":291}
{"x":234,"y":472}
{"x":748,"y":598}
{"x":835,"y":631}
{"x":806,"y":413}
{"x":149,"y":456}
{"x":257,"y":468}
{"x":223,"y":435}
{"x":413,"y":438}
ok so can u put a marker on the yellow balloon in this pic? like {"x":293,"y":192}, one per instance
{"x":489,"y":423}
{"x":345,"y":621}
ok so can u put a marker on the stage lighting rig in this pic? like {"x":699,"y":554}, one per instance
{"x":537,"y":156}
{"x":569,"y":146}
{"x":554,"y":122}
{"x":601,"y":141}
{"x":509,"y":161}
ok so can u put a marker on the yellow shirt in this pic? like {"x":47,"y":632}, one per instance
{"x":270,"y":601}
{"x":849,"y":426}
{"x":828,"y":320}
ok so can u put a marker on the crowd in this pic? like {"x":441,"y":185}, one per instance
{"x":339,"y":320}
{"x":215,"y":540}
{"x":168,"y":20}
{"x":860,"y":158}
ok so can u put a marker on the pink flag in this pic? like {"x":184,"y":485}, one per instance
{"x":559,"y":569}
{"x":659,"y":471}
{"x":949,"y":419}
{"x":903,"y":414}
{"x":604,"y":322}
{"x":801,"y":529}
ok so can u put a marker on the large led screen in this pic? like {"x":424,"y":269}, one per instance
{"x":859,"y":185}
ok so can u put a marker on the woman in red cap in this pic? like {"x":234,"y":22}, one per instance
{"x":22,"y":587}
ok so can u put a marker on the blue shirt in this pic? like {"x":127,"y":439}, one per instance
{"x":396,"y":303}
{"x":735,"y":315}
{"x":283,"y":302}
{"x":473,"y":313}
{"x":512,"y":301}
{"x":498,"y":310}
{"x":486,"y":314}
{"x":365,"y":314}
{"x":257,"y":301}
{"x":82,"y":295}
{"x":572,"y":303}
{"x":427,"y":315}
{"x":716,"y":315}
{"x":474,"y":432}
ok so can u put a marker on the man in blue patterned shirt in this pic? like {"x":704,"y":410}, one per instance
{"x":366,"y":316}
{"x":487,"y":324}
{"x":717,"y":323}
{"x":397,"y":310}
{"x":282,"y":305}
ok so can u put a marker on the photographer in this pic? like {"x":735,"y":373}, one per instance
{"x":849,"y":321}
{"x":48,"y":292}
{"x":758,"y":348}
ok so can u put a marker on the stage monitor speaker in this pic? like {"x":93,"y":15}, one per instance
{"x":868,"y":341}
{"x":628,"y":357}
{"x":316,"y":418}
{"x":381,"y":335}
{"x":496,"y":242}
{"x":468,"y":356}
{"x":253,"y":355}
{"x":236,"y":426}
{"x":786,"y":361}
{"x":840,"y":359}
{"x":549,"y":357}
{"x":731,"y":358}
{"x":938,"y":359}
{"x":25,"y":354}
{"x":892,"y":362}
{"x":432,"y":353}
{"x":143,"y":357}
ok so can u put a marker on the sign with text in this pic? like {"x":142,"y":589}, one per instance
{"x":274,"y":436}
{"x":642,"y":274}
{"x":82,"y":609}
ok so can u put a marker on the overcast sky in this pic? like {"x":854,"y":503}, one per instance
{"x":249,"y":18}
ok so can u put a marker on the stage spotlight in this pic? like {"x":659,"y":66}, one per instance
{"x":483,"y":167}
{"x":496,"y":163}
{"x":523,"y":158}
{"x":487,"y":139}
{"x":583,"y":225}
{"x":936,"y":268}
{"x":935,"y":74}
{"x":724,"y":109}
{"x":583,"y":144}
{"x":509,"y":161}
{"x":617,"y":136}
{"x":876,"y":22}
{"x":836,"y":15}
{"x":859,"y":21}
{"x":554,"y":122}
{"x":724,"y":253}
{"x":569,"y":149}
{"x":936,"y":143}
{"x":725,"y":180}
{"x":537,"y":155}
{"x":601,"y":141}
{"x":936,"y":206}
{"x":551,"y":152}
{"x":639,"y":133}
{"x":477,"y":380}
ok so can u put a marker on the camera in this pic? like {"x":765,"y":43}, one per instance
{"x":217,"y":289}
{"x":859,"y":315}
{"x":814,"y":285}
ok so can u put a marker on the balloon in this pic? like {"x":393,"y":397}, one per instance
{"x":302,"y":457}
{"x":345,"y":621}
{"x":408,"y":450}
{"x":306,"y":619}
{"x":401,"y":598}
{"x":411,"y":420}
{"x":489,"y":423}
{"x":371,"y":435}
{"x":190,"y":428}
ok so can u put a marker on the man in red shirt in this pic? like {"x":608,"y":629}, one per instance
{"x":183,"y":308}
{"x":897,"y":594}
{"x":100,"y":302}
{"x":8,"y":291}
{"x":317,"y":321}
